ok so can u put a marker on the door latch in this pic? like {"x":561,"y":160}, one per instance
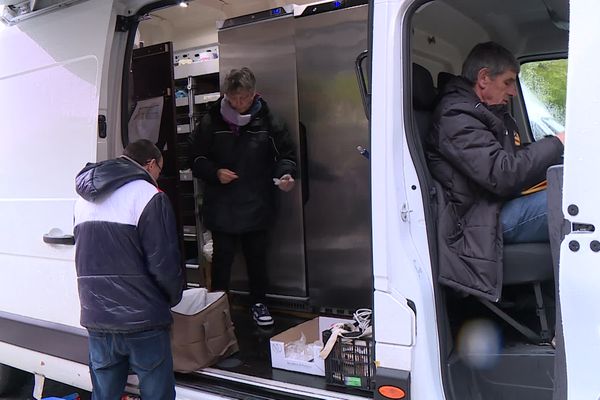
{"x":405,"y":212}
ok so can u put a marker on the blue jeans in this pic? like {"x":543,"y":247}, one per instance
{"x":525,"y":219}
{"x":148,"y":353}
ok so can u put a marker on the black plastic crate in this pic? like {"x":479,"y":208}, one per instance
{"x":350,"y":363}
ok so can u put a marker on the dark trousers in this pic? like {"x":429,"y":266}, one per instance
{"x":254,"y":247}
{"x":148,"y":353}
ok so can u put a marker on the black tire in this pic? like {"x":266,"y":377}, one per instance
{"x":11,"y":379}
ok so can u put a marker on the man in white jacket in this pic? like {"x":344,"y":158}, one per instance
{"x":129,"y":272}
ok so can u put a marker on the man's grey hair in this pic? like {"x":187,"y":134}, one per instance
{"x":492,"y":56}
{"x":239,"y":79}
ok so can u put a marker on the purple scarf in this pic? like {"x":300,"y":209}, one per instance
{"x":235,"y":119}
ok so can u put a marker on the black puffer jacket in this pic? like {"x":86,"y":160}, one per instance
{"x":471,"y":152}
{"x":261,"y":151}
{"x":127,"y":249}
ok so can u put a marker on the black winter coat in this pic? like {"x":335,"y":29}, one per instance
{"x":261,"y":151}
{"x":471,"y":152}
{"x":127,"y":249}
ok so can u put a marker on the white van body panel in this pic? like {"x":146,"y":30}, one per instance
{"x":400,"y":252}
{"x":58,"y":369}
{"x":77,"y":375}
{"x":49,"y":132}
{"x":579,"y":272}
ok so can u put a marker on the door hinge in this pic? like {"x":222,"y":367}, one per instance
{"x":125,"y":23}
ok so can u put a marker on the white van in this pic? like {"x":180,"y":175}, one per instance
{"x":73,"y":71}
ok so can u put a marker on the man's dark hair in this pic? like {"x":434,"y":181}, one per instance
{"x":492,"y":56}
{"x":142,"y":151}
{"x":238,"y":79}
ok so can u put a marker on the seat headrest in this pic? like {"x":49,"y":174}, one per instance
{"x":423,"y":91}
{"x":442,"y":79}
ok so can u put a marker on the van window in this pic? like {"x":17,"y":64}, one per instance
{"x":544,"y":88}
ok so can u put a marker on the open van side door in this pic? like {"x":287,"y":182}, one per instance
{"x":50,"y":76}
{"x":579,"y":274}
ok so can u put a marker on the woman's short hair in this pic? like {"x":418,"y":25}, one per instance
{"x":142,"y":151}
{"x":489,"y":55}
{"x":239,"y":79}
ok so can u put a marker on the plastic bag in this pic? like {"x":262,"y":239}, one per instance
{"x":207,"y":248}
{"x":299,"y":350}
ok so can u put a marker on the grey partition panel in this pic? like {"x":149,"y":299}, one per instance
{"x":338,"y":213}
{"x":267,"y":48}
{"x":558,"y":227}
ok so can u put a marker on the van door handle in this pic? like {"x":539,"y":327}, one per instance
{"x":55,"y":236}
{"x":363,"y":86}
{"x":102,"y":126}
{"x":304,"y":164}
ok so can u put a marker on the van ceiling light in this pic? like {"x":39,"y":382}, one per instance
{"x":183,"y":4}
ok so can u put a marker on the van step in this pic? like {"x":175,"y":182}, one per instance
{"x":234,"y":391}
{"x":239,"y":386}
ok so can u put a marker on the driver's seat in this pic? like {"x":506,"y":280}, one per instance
{"x":527,"y":264}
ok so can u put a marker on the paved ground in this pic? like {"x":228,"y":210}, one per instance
{"x":51,"y":389}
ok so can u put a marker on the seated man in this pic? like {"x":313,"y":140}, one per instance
{"x":474,"y":151}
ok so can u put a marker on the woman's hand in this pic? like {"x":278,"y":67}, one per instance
{"x":226,"y":176}
{"x":286,"y":183}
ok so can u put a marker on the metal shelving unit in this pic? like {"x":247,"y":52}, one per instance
{"x":196,"y":74}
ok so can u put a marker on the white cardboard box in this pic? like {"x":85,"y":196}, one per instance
{"x":312,"y":331}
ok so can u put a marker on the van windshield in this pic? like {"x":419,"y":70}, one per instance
{"x":544,"y":88}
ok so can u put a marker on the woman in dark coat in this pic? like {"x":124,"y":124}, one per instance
{"x":242,"y":154}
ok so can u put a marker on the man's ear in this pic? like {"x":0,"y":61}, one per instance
{"x":483,"y":77}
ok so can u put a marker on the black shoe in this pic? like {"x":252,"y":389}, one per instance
{"x":261,"y":315}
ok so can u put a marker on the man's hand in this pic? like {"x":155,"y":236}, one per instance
{"x":285,"y":183}
{"x":561,"y":136}
{"x":226,"y":176}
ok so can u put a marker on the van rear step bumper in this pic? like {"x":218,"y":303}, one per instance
{"x":239,"y":386}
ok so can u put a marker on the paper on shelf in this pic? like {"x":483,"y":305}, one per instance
{"x":145,"y":120}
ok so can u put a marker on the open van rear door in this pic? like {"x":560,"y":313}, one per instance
{"x":579,"y":276}
{"x":50,"y":76}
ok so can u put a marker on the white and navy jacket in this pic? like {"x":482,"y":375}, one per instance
{"x":127,"y":250}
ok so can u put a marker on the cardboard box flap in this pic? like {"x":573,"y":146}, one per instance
{"x":309,"y":328}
